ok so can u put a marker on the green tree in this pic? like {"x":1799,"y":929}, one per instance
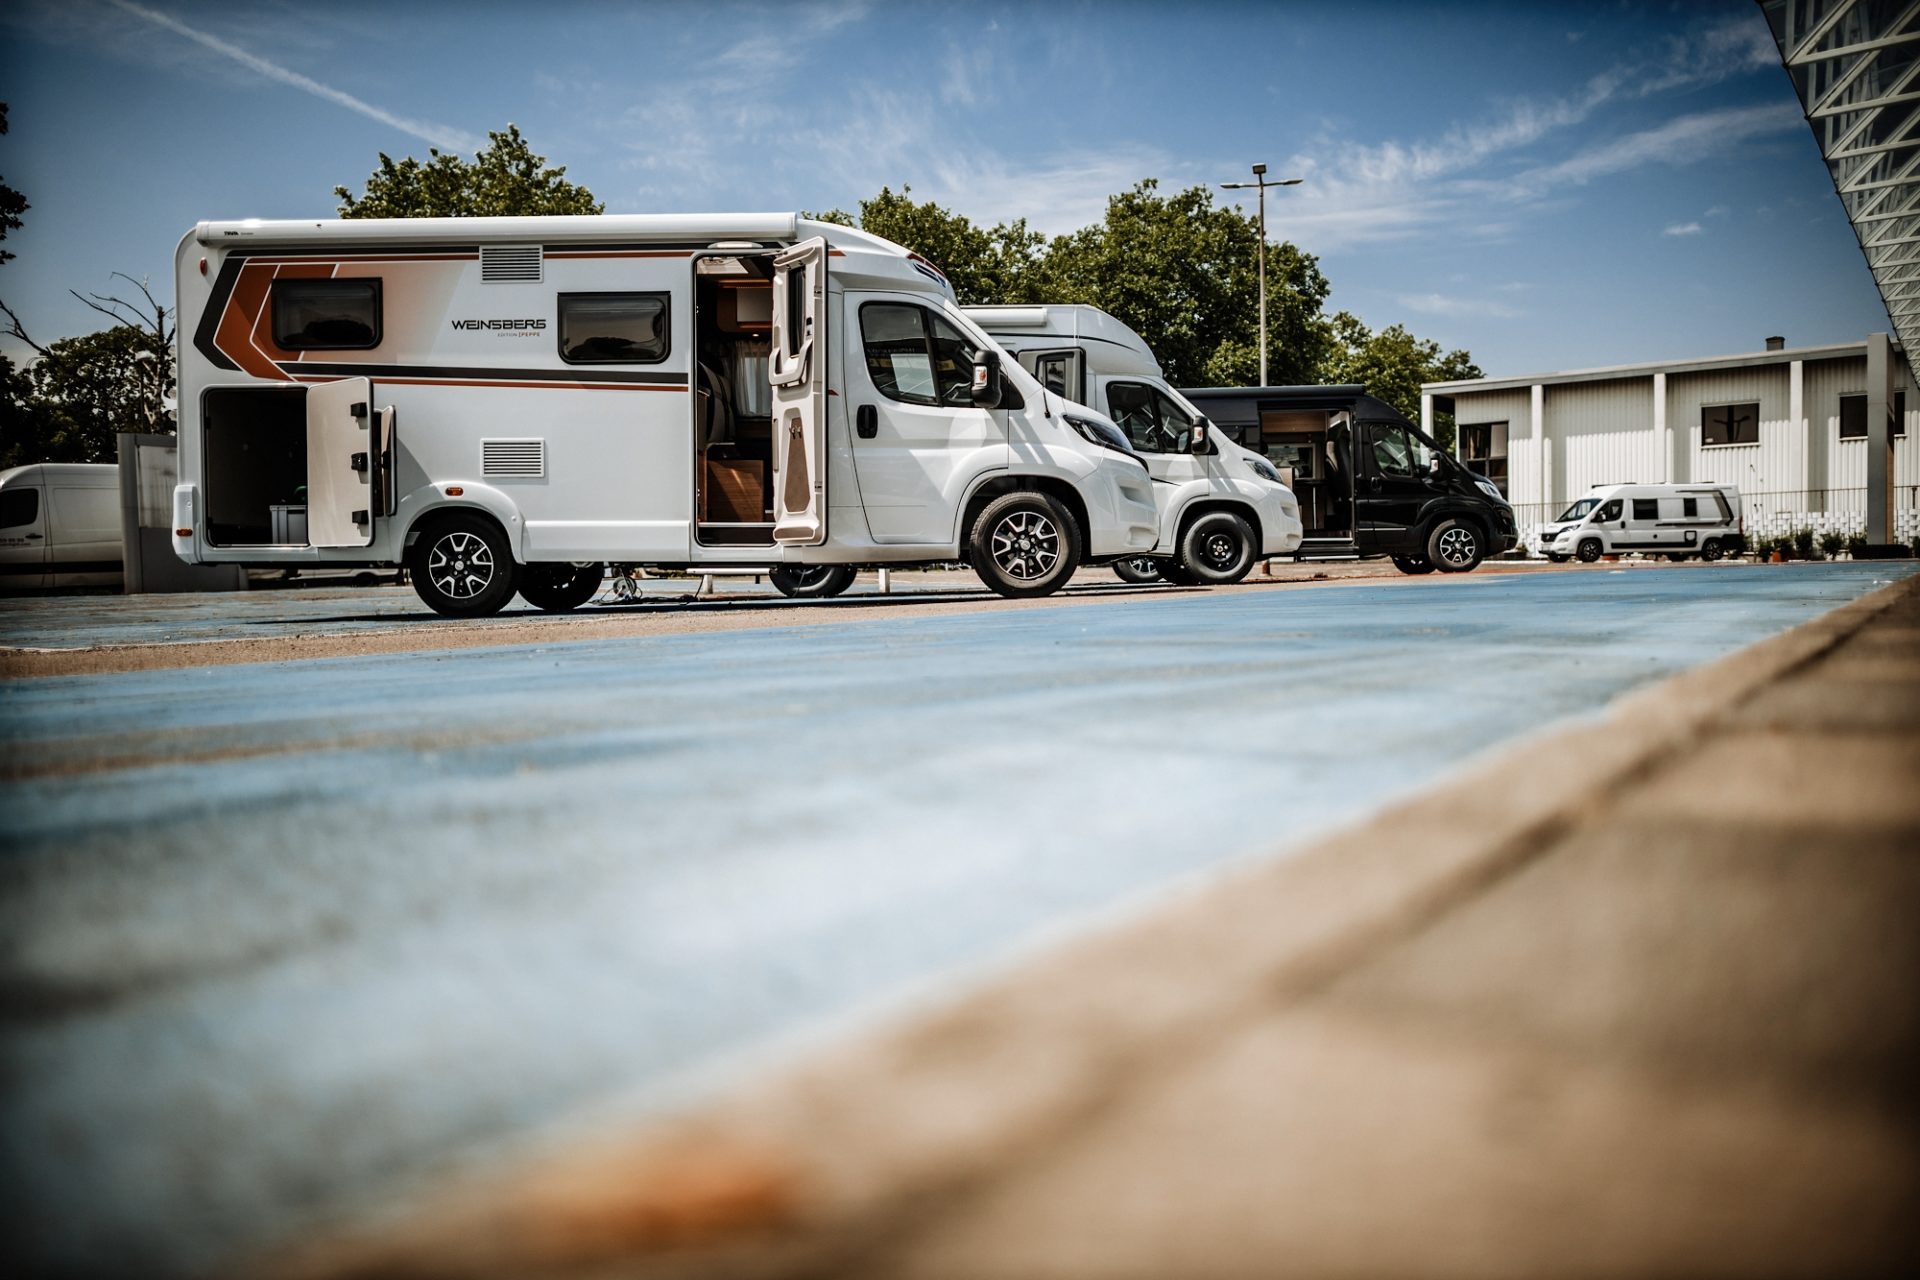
{"x":12,"y":203}
{"x":1392,"y":364}
{"x":1182,"y":272}
{"x":984,"y":265}
{"x":85,"y":390}
{"x":504,"y":179}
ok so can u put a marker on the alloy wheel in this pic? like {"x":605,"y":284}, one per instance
{"x":1026,"y":545}
{"x":1457,"y":546}
{"x":460,"y":565}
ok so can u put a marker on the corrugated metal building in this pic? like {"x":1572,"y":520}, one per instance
{"x":1788,"y":426}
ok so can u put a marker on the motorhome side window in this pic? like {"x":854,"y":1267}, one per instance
{"x":1397,"y":451}
{"x":326,"y":315}
{"x":1646,"y":508}
{"x":613,"y":328}
{"x":915,"y":356}
{"x":1154,"y":423}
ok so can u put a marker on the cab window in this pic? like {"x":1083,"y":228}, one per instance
{"x":1150,"y":419}
{"x":1578,"y":510}
{"x":1398,"y":452}
{"x":917,"y":357}
{"x":1608,"y":513}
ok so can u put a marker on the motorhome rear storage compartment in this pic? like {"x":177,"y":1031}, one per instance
{"x":254,"y":441}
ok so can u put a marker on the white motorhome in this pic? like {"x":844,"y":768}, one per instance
{"x":1679,"y":521}
{"x":1222,"y":507}
{"x":60,"y":526}
{"x":509,"y":404}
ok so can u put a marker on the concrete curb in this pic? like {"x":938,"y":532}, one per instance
{"x":802,"y":1173}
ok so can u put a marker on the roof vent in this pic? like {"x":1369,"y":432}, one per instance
{"x":513,"y":459}
{"x":1776,"y":344}
{"x":510,"y":264}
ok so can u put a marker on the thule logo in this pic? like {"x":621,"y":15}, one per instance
{"x":499,"y":324}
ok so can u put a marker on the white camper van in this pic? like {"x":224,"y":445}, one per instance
{"x":60,"y":526}
{"x":509,"y":404}
{"x":1222,"y":507}
{"x":1679,"y":521}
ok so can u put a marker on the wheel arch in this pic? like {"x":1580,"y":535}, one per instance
{"x":475,"y":499}
{"x":995,"y":486}
{"x":1198,"y":507}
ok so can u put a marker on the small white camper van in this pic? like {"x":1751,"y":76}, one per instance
{"x":1679,"y":521}
{"x":60,"y":526}
{"x":509,"y":404}
{"x":1222,"y":507}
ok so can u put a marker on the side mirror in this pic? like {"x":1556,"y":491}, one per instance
{"x":1197,"y":440}
{"x":989,"y":384}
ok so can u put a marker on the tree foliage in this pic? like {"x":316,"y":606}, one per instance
{"x":984,"y":265}
{"x":12,"y":203}
{"x":504,"y":179}
{"x":85,"y":390}
{"x":1392,"y":364}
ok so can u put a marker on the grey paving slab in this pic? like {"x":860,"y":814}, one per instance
{"x":277,"y":940}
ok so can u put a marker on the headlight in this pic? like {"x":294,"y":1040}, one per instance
{"x":1487,"y":487}
{"x":1103,"y":434}
{"x":1264,"y":469}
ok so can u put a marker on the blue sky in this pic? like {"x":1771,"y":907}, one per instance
{"x":1549,"y":185}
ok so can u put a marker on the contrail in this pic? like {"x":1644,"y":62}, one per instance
{"x":438,"y":135}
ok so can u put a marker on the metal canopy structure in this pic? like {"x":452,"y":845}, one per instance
{"x":1856,"y":67}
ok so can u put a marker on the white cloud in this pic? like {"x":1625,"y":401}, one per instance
{"x":436,"y":134}
{"x":1683,"y":229}
{"x":1438,"y":304}
{"x":1685,"y":138}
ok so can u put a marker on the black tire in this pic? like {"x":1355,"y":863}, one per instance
{"x":1589,"y":551}
{"x":1710,"y":550}
{"x":812,"y":581}
{"x":1456,"y":546}
{"x":1677,"y":558}
{"x":1024,"y":545}
{"x":1218,"y":549}
{"x":1412,"y":564}
{"x":1139,"y":569}
{"x":560,"y":588}
{"x":462,"y":566}
{"x":1558,"y":559}
{"x":1176,"y":573}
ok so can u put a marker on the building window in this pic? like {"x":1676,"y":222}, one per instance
{"x":1730,"y":424}
{"x":326,"y":315}
{"x":1483,"y":447}
{"x":1853,"y":416}
{"x":613,"y":328}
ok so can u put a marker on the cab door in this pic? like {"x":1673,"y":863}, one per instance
{"x":1395,"y":485}
{"x":23,"y":538}
{"x":798,"y":370}
{"x":345,"y":452}
{"x":1159,"y":429}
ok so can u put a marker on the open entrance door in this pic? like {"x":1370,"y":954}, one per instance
{"x":798,"y":371}
{"x":349,"y":456}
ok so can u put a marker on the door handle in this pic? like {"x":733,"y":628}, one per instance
{"x":1373,"y":483}
{"x":33,"y":537}
{"x":866,"y":422}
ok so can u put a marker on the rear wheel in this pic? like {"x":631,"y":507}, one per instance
{"x":812,"y":581}
{"x":1455,"y":546}
{"x":1711,"y":550}
{"x":1217,"y":549}
{"x":462,"y":567}
{"x":560,"y":588}
{"x":1138,"y":569}
{"x":1589,"y":551}
{"x":1412,"y":564}
{"x":1024,"y":544}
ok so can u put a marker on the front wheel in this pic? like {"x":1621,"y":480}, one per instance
{"x":1023,"y":545}
{"x":560,"y":588}
{"x":1711,"y":550}
{"x":1412,"y":564}
{"x":1455,"y":546}
{"x":811,"y":581}
{"x":1590,"y":551}
{"x":1139,"y":569}
{"x":1217,"y":549}
{"x":462,"y":566}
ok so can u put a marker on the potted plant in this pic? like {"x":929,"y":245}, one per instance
{"x":1832,"y":543}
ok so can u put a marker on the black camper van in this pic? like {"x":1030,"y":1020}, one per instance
{"x":1369,"y":482}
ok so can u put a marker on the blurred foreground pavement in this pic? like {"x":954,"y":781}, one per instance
{"x":1637,"y":1000}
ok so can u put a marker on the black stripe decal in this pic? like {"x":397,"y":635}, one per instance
{"x":217,"y":307}
{"x":340,"y":369}
{"x":350,"y":255}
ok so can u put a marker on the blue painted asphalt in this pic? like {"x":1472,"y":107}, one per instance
{"x":282,"y":938}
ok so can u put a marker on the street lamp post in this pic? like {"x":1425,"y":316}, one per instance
{"x":1260,"y":181}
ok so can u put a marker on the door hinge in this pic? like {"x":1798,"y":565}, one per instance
{"x":359,"y":463}
{"x":360,"y":517}
{"x":358,"y":409}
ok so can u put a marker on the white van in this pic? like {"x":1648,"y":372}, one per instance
{"x":1222,"y":507}
{"x":60,"y":526}
{"x":1679,"y":521}
{"x":509,"y":404}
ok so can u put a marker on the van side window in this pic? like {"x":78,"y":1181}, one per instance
{"x":19,"y":506}
{"x":1646,"y":508}
{"x":1396,"y":451}
{"x":953,"y":358}
{"x":613,"y":328}
{"x":898,"y":358}
{"x":326,"y":315}
{"x":1689,"y":508}
{"x":1059,"y":372}
{"x":1154,"y":423}
{"x":1608,"y":513}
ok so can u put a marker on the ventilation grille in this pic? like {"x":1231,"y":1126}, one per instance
{"x":526,"y":459}
{"x":510,"y":264}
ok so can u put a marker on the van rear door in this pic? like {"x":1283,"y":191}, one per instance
{"x":798,"y":370}
{"x":344,"y":455}
{"x":84,"y":547}
{"x":23,"y":538}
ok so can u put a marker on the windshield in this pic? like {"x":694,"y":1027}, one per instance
{"x":1578,"y":511}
